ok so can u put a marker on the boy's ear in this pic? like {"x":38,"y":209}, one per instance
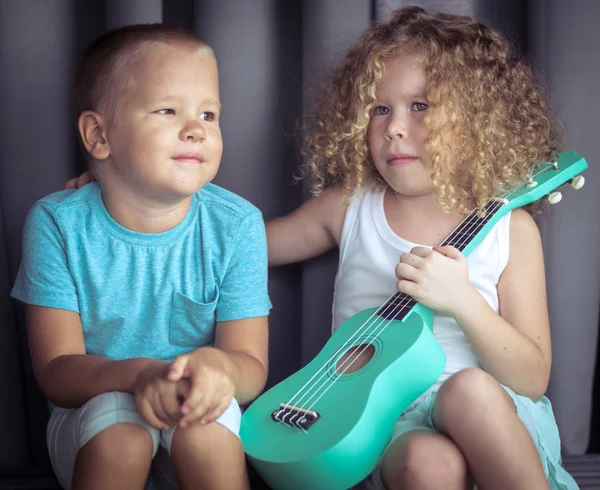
{"x":92,"y":129}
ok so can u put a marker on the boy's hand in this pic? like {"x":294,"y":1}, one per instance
{"x":438,"y":278}
{"x":77,"y":182}
{"x":211,"y":389}
{"x":159,"y":399}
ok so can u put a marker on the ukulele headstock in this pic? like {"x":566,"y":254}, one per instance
{"x":546,"y":178}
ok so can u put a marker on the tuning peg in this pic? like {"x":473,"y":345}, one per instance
{"x":554,"y":197}
{"x":577,"y":182}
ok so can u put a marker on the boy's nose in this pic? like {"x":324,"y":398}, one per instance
{"x":193,"y":130}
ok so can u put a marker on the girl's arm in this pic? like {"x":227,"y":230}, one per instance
{"x":312,"y":229}
{"x":68,"y":376}
{"x":515,"y":346}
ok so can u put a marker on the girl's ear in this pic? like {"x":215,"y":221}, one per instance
{"x":92,"y":129}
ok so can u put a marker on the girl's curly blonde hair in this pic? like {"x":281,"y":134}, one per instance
{"x":488,"y":121}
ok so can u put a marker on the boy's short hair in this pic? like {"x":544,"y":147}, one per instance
{"x":102,"y":70}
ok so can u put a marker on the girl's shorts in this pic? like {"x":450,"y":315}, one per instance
{"x":70,"y":429}
{"x":537,"y":417}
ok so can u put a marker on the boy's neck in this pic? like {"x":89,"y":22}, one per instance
{"x":145,"y":216}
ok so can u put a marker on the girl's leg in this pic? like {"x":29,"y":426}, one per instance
{"x":424,"y":460}
{"x":117,"y":458}
{"x":475,"y":411}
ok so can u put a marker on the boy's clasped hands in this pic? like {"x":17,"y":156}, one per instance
{"x":183,"y":392}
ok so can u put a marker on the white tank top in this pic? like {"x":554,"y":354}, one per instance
{"x":369,"y":252}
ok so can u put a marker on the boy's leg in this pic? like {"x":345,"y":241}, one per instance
{"x":205,"y":457}
{"x":475,"y":411}
{"x":117,"y":458}
{"x":90,"y":445}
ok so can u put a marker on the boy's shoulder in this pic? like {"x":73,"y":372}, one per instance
{"x":218,"y":198}
{"x":66,"y":200}
{"x":68,"y":197}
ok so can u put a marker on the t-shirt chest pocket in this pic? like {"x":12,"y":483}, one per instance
{"x":192,"y":324}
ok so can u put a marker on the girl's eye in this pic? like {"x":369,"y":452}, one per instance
{"x":207,"y":116}
{"x":381,"y":110}
{"x":419,"y":107}
{"x":166,"y":112}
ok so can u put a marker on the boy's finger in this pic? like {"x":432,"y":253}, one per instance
{"x":195,"y":397}
{"x":170,"y":409}
{"x":195,"y":414}
{"x":178,"y":368}
{"x":147,"y":412}
{"x":215,"y":412}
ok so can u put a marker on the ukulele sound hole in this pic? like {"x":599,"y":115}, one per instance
{"x":355,"y":358}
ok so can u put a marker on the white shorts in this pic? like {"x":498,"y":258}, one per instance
{"x":70,"y":429}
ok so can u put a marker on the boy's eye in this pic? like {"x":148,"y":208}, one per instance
{"x":166,"y":112}
{"x":419,"y":107}
{"x":207,"y":116}
{"x":381,"y":110}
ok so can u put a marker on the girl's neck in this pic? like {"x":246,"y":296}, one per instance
{"x":419,"y":219}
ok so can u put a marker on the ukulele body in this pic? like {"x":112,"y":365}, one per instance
{"x":357,"y":414}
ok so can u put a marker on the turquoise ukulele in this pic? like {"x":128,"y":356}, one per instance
{"x":326,"y":426}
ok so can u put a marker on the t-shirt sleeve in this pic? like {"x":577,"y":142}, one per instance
{"x":243,"y":292}
{"x":44,"y":278}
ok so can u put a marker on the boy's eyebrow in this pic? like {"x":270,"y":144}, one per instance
{"x":206,"y":100}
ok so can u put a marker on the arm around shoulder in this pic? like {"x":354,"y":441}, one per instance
{"x":312,"y":229}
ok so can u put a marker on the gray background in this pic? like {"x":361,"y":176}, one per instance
{"x":273,"y":57}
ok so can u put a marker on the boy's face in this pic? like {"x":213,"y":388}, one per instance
{"x":165,"y":140}
{"x":397,"y":129}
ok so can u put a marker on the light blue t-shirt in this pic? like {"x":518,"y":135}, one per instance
{"x":153,"y":295}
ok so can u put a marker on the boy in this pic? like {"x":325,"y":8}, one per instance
{"x":146,"y":292}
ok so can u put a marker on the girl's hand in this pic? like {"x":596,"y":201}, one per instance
{"x":211,"y":389}
{"x":438,"y":278}
{"x":159,"y":399}
{"x":77,"y":182}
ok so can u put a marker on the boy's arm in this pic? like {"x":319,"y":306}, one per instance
{"x":312,"y":229}
{"x":68,"y":376}
{"x":241,"y":352}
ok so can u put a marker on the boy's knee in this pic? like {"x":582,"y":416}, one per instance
{"x":122,"y":445}
{"x":204,"y":438}
{"x":108,"y":410}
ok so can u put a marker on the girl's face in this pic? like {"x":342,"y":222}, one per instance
{"x":397,"y":128}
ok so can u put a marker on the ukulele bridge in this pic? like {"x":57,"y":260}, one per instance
{"x":295,"y":416}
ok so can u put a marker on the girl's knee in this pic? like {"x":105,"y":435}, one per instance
{"x":468,"y":394}
{"x":424,"y":460}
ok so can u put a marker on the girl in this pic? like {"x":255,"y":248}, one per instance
{"x":429,"y":117}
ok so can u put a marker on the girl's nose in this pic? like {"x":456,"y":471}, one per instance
{"x":396,"y":128}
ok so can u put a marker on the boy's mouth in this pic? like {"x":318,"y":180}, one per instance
{"x":189,"y":158}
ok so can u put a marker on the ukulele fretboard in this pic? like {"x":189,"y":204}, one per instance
{"x":397,"y":307}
